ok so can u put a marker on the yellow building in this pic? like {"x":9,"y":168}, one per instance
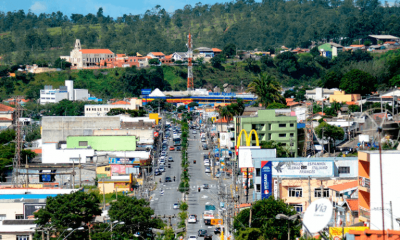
{"x":155,"y":117}
{"x":117,"y":183}
{"x":341,"y":96}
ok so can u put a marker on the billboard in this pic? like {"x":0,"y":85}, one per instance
{"x":303,"y":169}
{"x":30,"y":208}
{"x":245,"y":159}
{"x":120,"y":169}
{"x":266,"y":179}
{"x":336,"y":232}
{"x":146,"y":91}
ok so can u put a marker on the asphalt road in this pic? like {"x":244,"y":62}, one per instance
{"x":163,"y":204}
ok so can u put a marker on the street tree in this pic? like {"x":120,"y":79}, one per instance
{"x":357,"y":81}
{"x":154,"y":61}
{"x":264,"y":219}
{"x":280,"y":150}
{"x":69,"y":211}
{"x":136,"y":213}
{"x":267,"y":89}
{"x":330,"y":132}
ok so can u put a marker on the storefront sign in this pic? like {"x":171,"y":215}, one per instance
{"x":244,"y":170}
{"x":121,"y":160}
{"x":363,"y":182}
{"x":266,"y":179}
{"x":121,"y":169}
{"x":303,"y":169}
{"x":336,"y":232}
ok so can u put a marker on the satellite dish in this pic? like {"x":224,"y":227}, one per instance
{"x":225,"y":85}
{"x":318,"y":215}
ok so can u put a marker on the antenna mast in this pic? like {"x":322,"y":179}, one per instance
{"x":18,"y":141}
{"x":190,"y":85}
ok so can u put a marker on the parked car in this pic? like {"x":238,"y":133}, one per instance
{"x":176,"y":205}
{"x":192,"y":237}
{"x":207,"y":221}
{"x":201,"y":232}
{"x":157,"y":172}
{"x":206,"y":163}
{"x":161,"y":168}
{"x":208,"y":170}
{"x":208,"y":237}
{"x":178,"y":148}
{"x":217,"y":230}
{"x":170,"y":159}
{"x":168,"y":179}
{"x":172,"y":148}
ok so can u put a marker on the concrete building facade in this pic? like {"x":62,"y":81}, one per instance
{"x":319,"y":94}
{"x":54,"y":153}
{"x":102,"y":110}
{"x":277,"y":125}
{"x":83,"y":58}
{"x":341,"y":96}
{"x":50,"y":95}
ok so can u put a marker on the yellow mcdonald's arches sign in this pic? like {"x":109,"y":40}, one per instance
{"x":248,"y":137}
{"x":213,"y":119}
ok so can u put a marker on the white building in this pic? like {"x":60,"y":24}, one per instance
{"x":50,"y":95}
{"x":83,"y":58}
{"x":55,"y":153}
{"x":102,"y":110}
{"x":180,"y":56}
{"x":318,"y":94}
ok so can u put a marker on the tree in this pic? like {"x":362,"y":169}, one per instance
{"x":331,"y":79}
{"x":280,"y":150}
{"x":357,"y":81}
{"x":395,"y":81}
{"x":276,"y":105}
{"x":154,"y":61}
{"x":267,"y":89}
{"x":263,"y":219}
{"x":136,"y":213}
{"x":69,"y":211}
{"x":217,"y":61}
{"x":286,"y":62}
{"x":314,"y":52}
{"x":61,"y":63}
{"x":229,"y":50}
{"x":331,"y":132}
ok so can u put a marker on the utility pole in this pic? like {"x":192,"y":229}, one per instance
{"x":309,"y":190}
{"x":104,"y":197}
{"x":391,"y":214}
{"x":247,"y":185}
{"x":80,"y":174}
{"x":73,"y":173}
{"x":251,"y":210}
{"x":278,"y":188}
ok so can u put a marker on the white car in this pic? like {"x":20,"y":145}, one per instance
{"x":192,"y":237}
{"x":206,"y":163}
{"x":176,"y":205}
{"x":194,"y":132}
{"x":208,"y":170}
{"x":192,"y":219}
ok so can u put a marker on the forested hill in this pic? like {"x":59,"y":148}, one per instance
{"x":248,"y":24}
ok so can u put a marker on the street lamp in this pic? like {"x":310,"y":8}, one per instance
{"x":291,"y":218}
{"x":68,"y":229}
{"x":79,"y":228}
{"x":398,"y":220}
{"x":116,"y":222}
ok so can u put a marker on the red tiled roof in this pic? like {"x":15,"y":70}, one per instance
{"x":157,"y":53}
{"x":289,"y":99}
{"x":5,"y":120}
{"x":386,"y":97}
{"x":351,"y":103}
{"x":356,"y":45}
{"x":96,"y":51}
{"x":216,"y":50}
{"x":353,"y":204}
{"x":291,"y":103}
{"x":121,"y":55}
{"x":223,"y":120}
{"x":389,"y":42}
{"x":121,"y":103}
{"x":344,"y":186}
{"x":5,"y":108}
{"x":321,"y":113}
{"x":37,"y":151}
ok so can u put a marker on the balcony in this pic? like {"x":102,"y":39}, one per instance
{"x":365,"y":214}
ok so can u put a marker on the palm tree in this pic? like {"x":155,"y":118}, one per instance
{"x":267,"y":89}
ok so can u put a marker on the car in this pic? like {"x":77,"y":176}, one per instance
{"x":172,"y":148}
{"x":170,"y":159}
{"x":206,"y":163}
{"x":192,"y":219}
{"x":205,"y":147}
{"x":178,"y":148}
{"x":207,"y":170}
{"x":176,"y":205}
{"x":161,"y":169}
{"x":205,"y":186}
{"x":203,"y":139}
{"x":201,"y":232}
{"x":218,"y":175}
{"x":194,"y":131}
{"x":192,"y":237}
{"x":217,"y":230}
{"x":207,"y":221}
{"x":205,"y":156}
{"x":157,"y":172}
{"x":168,"y":179}
{"x":208,"y":237}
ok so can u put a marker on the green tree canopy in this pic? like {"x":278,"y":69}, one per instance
{"x":330,"y":132}
{"x":267,"y":89}
{"x":357,"y":81}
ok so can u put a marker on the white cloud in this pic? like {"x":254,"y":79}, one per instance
{"x":38,"y":7}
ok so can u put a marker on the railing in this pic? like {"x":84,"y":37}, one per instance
{"x":365,"y":213}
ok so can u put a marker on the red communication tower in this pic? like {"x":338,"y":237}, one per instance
{"x":190,"y":85}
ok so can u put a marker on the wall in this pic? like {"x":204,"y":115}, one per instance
{"x":11,"y":209}
{"x":390,"y":170}
{"x":53,"y":155}
{"x":141,"y":134}
{"x":81,"y":94}
{"x":55,"y":129}
{"x":104,"y":143}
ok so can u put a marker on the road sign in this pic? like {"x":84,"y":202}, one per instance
{"x":146,"y":91}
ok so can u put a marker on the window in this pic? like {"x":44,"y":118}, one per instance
{"x":292,"y":135}
{"x":295,"y":192}
{"x":83,"y":143}
{"x":282,"y":134}
{"x":269,"y":136}
{"x":297,"y":207}
{"x":2,"y":217}
{"x":282,"y":125}
{"x":19,"y":216}
{"x":258,"y":187}
{"x":343,"y":170}
{"x":269,"y":126}
{"x":291,"y":144}
{"x":22,"y":237}
{"x":283,"y":144}
{"x":107,"y":169}
{"x":258,"y":172}
{"x":292,"y":125}
{"x":87,"y":109}
{"x":317,"y":193}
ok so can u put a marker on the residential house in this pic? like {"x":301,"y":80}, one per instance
{"x":84,"y":58}
{"x":158,"y":55}
{"x":13,"y":101}
{"x":97,"y":110}
{"x":330,"y":50}
{"x":7,"y":116}
{"x":341,"y":96}
{"x":216,"y":51}
{"x":376,"y":47}
{"x":205,"y":52}
{"x":319,"y":94}
{"x":127,"y":61}
{"x":180,"y":56}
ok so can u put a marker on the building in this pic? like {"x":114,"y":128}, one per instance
{"x":370,"y":188}
{"x":123,"y":62}
{"x":102,"y":143}
{"x":216,"y":51}
{"x":50,"y":95}
{"x":342,"y":97}
{"x":7,"y":116}
{"x":180,"y":56}
{"x":58,"y":128}
{"x":84,"y":58}
{"x":158,"y":55}
{"x":319,"y":94}
{"x":59,"y":153}
{"x":276,"y":124}
{"x":204,"y":52}
{"x":330,"y":50}
{"x":102,"y":110}
{"x":380,"y":39}
{"x":117,"y":183}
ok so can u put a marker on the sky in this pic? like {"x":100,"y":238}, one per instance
{"x":114,"y":8}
